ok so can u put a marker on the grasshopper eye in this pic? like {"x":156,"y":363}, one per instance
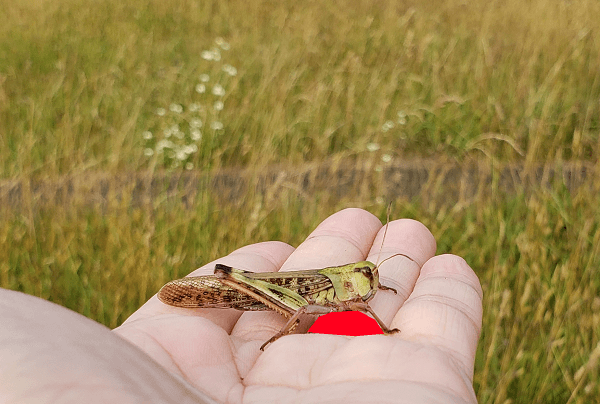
{"x":366,"y":272}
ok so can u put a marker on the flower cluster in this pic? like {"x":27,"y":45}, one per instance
{"x":400,"y":121}
{"x":385,"y":157}
{"x":386,"y":127}
{"x":178,"y":130}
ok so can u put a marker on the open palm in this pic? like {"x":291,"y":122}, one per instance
{"x":437,"y":308}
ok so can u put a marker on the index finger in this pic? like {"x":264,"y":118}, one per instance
{"x":413,"y":244}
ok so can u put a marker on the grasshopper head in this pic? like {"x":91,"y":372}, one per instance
{"x":367,"y":279}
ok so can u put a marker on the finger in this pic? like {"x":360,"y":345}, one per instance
{"x":260,"y":257}
{"x":445,"y":309}
{"x":343,"y":238}
{"x":415,"y":241}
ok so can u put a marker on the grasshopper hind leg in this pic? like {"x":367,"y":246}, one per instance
{"x":287,"y":328}
{"x":295,"y":320}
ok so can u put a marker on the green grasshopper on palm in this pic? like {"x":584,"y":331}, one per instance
{"x":317,"y":291}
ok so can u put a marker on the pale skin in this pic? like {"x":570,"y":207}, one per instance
{"x":167,"y":354}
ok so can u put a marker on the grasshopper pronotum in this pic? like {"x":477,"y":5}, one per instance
{"x":291,"y":294}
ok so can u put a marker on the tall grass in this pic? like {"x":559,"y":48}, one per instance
{"x":515,"y":80}
{"x":509,"y":82}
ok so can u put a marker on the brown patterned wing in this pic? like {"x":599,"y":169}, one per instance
{"x":208,"y":292}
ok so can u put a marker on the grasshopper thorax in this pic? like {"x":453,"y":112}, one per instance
{"x":357,"y":281}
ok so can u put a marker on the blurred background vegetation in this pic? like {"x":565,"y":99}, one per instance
{"x":111,"y":111}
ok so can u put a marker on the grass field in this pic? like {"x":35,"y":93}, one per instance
{"x":169,"y":86}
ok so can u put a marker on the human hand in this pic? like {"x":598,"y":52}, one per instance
{"x":437,"y":308}
{"x":52,"y":354}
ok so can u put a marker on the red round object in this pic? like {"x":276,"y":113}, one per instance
{"x":346,"y":323}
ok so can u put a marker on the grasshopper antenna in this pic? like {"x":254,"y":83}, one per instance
{"x":382,"y":241}
{"x":389,"y":208}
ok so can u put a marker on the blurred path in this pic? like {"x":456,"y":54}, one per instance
{"x":445,"y":182}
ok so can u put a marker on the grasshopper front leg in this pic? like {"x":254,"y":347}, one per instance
{"x":381,"y":287}
{"x":365,"y":308}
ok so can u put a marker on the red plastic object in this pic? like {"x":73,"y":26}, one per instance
{"x":346,"y":323}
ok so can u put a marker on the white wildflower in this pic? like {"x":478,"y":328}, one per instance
{"x":181,"y":155}
{"x":218,"y":90}
{"x":189,"y":166}
{"x":218,"y":106}
{"x":190,"y":148}
{"x":401,"y":118}
{"x":148,"y":152}
{"x":164,"y":144}
{"x":194,"y":107}
{"x":200,"y":88}
{"x":147,"y":135}
{"x":196,"y":123}
{"x":204,"y":78}
{"x":386,"y":158}
{"x":213,"y":54}
{"x":372,"y":147}
{"x":221,"y":42}
{"x":161,"y":111}
{"x":179,"y":134}
{"x":216,"y":125}
{"x":196,"y":135}
{"x":178,"y":109}
{"x":230,"y":70}
{"x":387,"y":126}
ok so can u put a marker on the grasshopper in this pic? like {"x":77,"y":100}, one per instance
{"x":316,"y":291}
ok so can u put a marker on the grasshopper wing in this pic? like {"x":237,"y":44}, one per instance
{"x":207,"y":292}
{"x":306,"y":283}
